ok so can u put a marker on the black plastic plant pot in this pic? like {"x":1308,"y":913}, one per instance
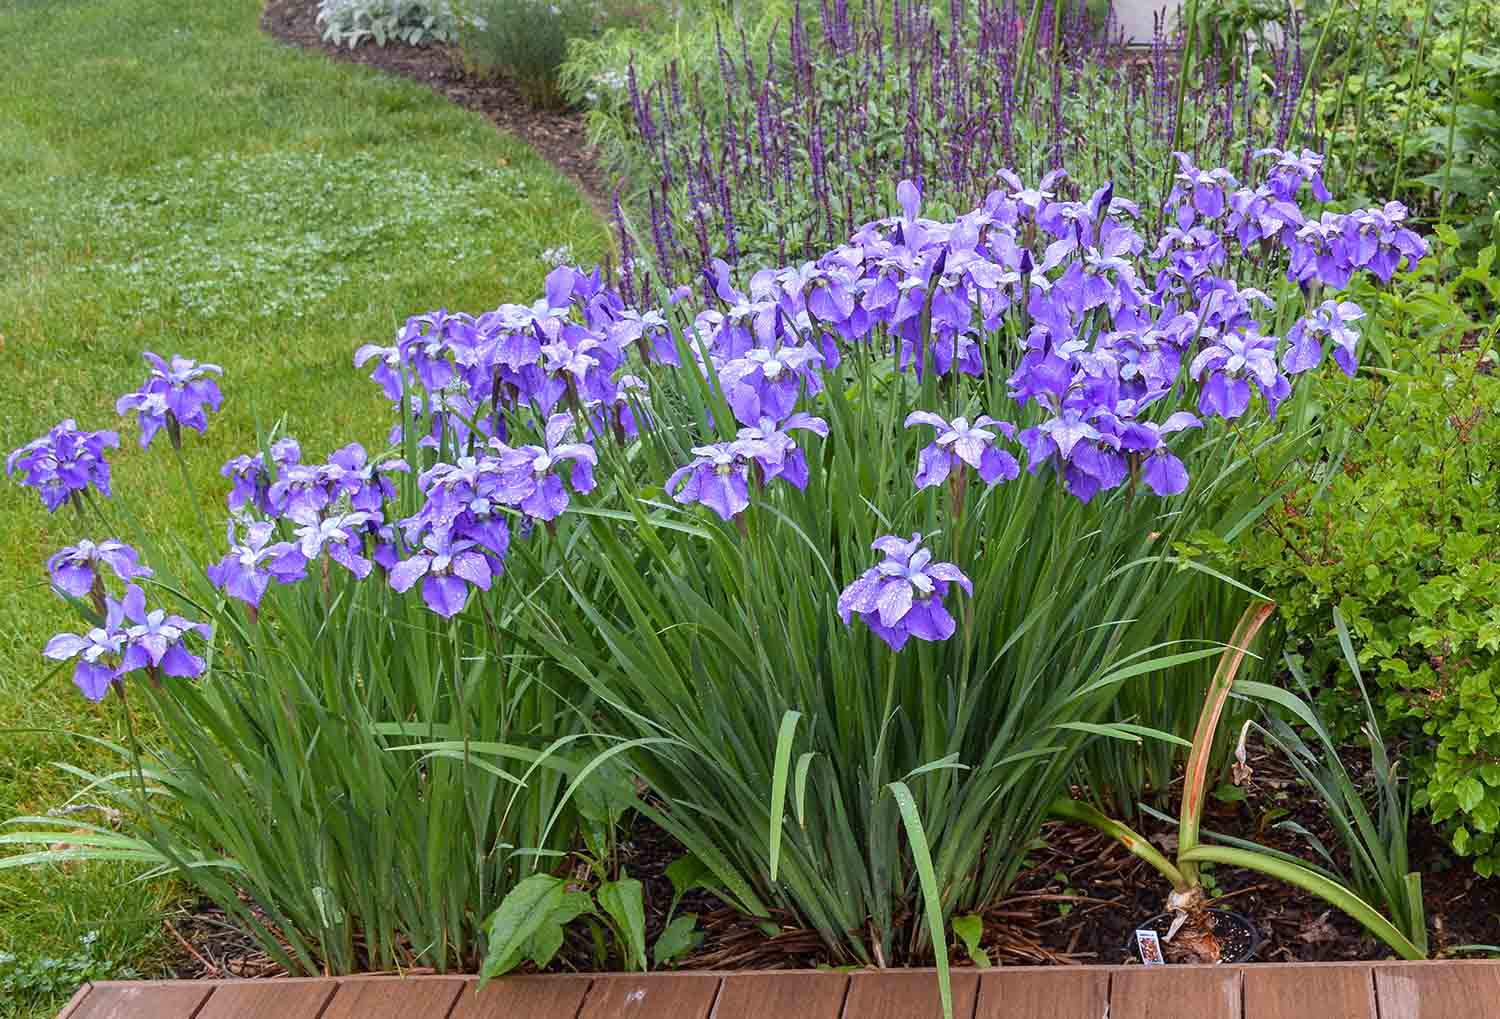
{"x":1239,"y":939}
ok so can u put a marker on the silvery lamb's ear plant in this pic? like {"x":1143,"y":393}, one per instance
{"x":414,"y":22}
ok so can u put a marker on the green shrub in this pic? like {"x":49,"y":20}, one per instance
{"x":1396,"y":522}
{"x":527,"y":40}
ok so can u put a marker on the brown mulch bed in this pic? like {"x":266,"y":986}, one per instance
{"x":1085,"y":894}
{"x":559,"y":136}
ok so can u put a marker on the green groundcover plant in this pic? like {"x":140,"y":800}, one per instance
{"x":34,"y":980}
{"x":1393,"y":520}
{"x":848,"y":562}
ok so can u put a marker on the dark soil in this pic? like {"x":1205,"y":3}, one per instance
{"x":1083,"y":896}
{"x":559,"y":136}
{"x":1086,"y":895}
{"x":1238,"y":939}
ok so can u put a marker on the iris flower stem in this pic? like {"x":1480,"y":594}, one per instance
{"x":890,"y":699}
{"x":187,"y":483}
{"x":93,"y":504}
{"x":1188,"y":44}
{"x":1026,"y":49}
{"x":1416,"y":75}
{"x":1344,"y":79}
{"x":136,"y":767}
{"x":1458,"y":65}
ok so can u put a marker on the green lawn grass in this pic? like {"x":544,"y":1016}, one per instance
{"x":174,"y":181}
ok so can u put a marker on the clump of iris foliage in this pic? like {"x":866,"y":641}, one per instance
{"x":780,"y":147}
{"x":847,"y":561}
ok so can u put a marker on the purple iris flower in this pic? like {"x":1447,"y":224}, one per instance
{"x":1200,"y":192}
{"x":1082,"y":449}
{"x":298,"y":492}
{"x":1161,"y":470}
{"x":64,"y":463}
{"x":651,"y":329}
{"x":250,"y":566}
{"x":1057,"y":436}
{"x":174,"y":396}
{"x":425,"y":344}
{"x":766,"y":383}
{"x":155,"y":641}
{"x":98,"y":652}
{"x":1304,"y":339}
{"x":1291,"y":170}
{"x":1379,"y":242}
{"x":451,"y":489}
{"x":1233,"y":360}
{"x":74,"y":569}
{"x":446,"y":569}
{"x":349,"y":472}
{"x":959,"y":441}
{"x":387,"y":370}
{"x":902,"y":596}
{"x":390,"y":546}
{"x":342,"y":537}
{"x":152,"y":640}
{"x":718,"y":477}
{"x":775,"y":452}
{"x":463,"y":502}
{"x":526,"y":478}
{"x":286,"y":451}
{"x":251,"y":485}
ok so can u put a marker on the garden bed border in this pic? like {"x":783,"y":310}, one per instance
{"x":1435,"y":989}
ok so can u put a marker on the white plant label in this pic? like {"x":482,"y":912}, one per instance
{"x":1148,"y":943}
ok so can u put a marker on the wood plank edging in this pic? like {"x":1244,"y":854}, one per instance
{"x":1483,"y":970}
{"x":770,"y":973}
{"x":76,"y":1000}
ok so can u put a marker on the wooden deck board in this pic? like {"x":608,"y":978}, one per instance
{"x":263,"y":999}
{"x":412,"y":998}
{"x":1454,"y":991}
{"x":1320,"y":992}
{"x":1059,"y":993}
{"x":71,"y":1007}
{"x":803,"y":995}
{"x":912,"y":995}
{"x":523,"y":997}
{"x":685,"y":996}
{"x":159,"y":1000}
{"x":1175,"y":992}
